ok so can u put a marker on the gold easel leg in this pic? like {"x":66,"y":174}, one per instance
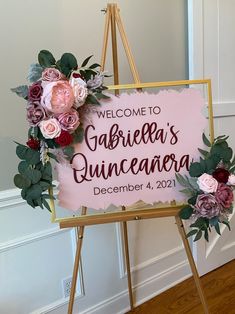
{"x":192,"y":264}
{"x":126,"y":46}
{"x":105,"y":41}
{"x":76,"y":265}
{"x":114,"y":47}
{"x":127,"y":258}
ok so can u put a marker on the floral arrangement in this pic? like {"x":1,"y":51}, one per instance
{"x":57,"y":97}
{"x":210,"y":188}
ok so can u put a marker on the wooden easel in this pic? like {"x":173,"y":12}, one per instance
{"x":113,"y":19}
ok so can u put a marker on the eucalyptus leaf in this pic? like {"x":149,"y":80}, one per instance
{"x":186,"y":212}
{"x":21,"y":91}
{"x":23,"y":166}
{"x":21,"y":181}
{"x":46,"y":59}
{"x":34,"y":192}
{"x":195,"y":169}
{"x":21,"y":151}
{"x":34,"y":175}
{"x":68,"y":63}
{"x":35,"y":72}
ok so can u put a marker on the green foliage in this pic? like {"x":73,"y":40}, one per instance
{"x":92,"y":100}
{"x":68,"y":63}
{"x":218,"y":152}
{"x":33,"y":178}
{"x":35,"y":72}
{"x":78,"y":135}
{"x":86,"y":61}
{"x":46,"y":59}
{"x":186,"y":212}
{"x":21,"y":91}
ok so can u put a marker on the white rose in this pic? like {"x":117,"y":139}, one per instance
{"x":79,"y":89}
{"x":231,"y":179}
{"x":207,"y":183}
{"x":80,"y":94}
{"x":76,"y":80}
{"x":50,"y":128}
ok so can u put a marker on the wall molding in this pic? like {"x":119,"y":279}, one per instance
{"x":156,"y":259}
{"x":12,"y":197}
{"x":151,"y":287}
{"x":36,"y":236}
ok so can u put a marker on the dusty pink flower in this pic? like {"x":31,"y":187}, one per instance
{"x":224,"y":195}
{"x":57,"y":96}
{"x":207,"y":183}
{"x":69,"y":120}
{"x":52,"y":75}
{"x":35,"y":114}
{"x":35,"y":92}
{"x":207,"y":206}
{"x":50,"y":128}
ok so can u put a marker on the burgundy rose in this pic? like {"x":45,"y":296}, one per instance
{"x":64,"y":139}
{"x":35,"y":92}
{"x":207,"y":206}
{"x":33,"y":143}
{"x":224,"y":195}
{"x":221,"y":175}
{"x":35,"y":114}
{"x":69,"y":121}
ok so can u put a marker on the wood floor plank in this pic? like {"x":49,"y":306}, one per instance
{"x":219,"y":287}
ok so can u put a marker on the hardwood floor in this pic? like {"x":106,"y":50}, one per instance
{"x":219,"y":288}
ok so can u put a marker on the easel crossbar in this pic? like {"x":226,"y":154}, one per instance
{"x":159,"y":84}
{"x":119,"y":217}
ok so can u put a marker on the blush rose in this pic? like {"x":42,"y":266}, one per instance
{"x":35,"y":114}
{"x":69,"y":120}
{"x":207,"y":206}
{"x":52,"y":75}
{"x":207,"y":183}
{"x":57,"y":96}
{"x":50,"y":128}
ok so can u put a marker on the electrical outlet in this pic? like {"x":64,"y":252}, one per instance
{"x":66,"y":285}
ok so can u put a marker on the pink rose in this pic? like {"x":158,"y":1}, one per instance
{"x":207,"y":206}
{"x":35,"y":114}
{"x":50,"y":128}
{"x":57,"y":96}
{"x":52,"y":75}
{"x":224,"y":195}
{"x":231,"y":179}
{"x":207,"y":183}
{"x":69,"y":120}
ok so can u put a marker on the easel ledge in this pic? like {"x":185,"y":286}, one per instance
{"x":144,"y":213}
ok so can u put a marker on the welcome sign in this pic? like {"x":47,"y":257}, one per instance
{"x":133,"y":146}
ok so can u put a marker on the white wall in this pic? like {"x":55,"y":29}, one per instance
{"x":34,"y":254}
{"x":212,"y":49}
